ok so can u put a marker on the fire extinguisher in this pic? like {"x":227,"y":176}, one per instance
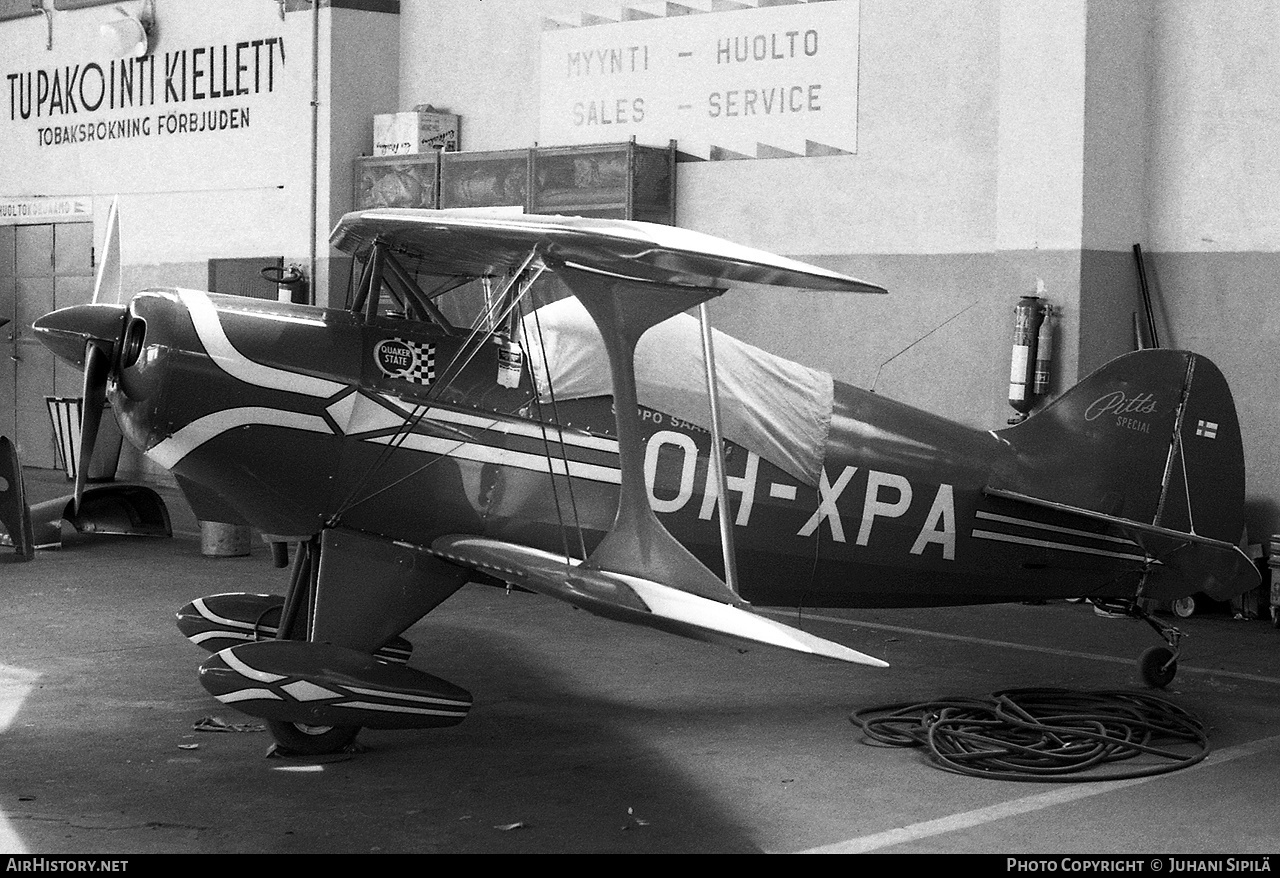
{"x":291,"y":283}
{"x":1026,"y":329}
{"x":1044,"y":352}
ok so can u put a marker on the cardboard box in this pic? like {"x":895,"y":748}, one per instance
{"x":415,"y":132}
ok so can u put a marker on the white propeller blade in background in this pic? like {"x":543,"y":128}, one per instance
{"x":107,"y":286}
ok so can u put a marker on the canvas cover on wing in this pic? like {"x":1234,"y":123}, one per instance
{"x":777,"y":408}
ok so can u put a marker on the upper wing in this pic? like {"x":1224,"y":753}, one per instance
{"x":479,"y":245}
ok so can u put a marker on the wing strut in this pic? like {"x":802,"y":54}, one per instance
{"x":716,"y":457}
{"x":623,"y":310}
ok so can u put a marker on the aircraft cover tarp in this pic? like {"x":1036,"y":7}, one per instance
{"x":779,"y":409}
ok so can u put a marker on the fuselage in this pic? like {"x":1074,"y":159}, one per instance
{"x":299,"y":417}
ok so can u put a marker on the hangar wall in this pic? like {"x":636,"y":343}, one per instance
{"x":1214,"y":210}
{"x":998,"y":141}
{"x":206,"y":141}
{"x":185,"y":195}
{"x":965,"y":187}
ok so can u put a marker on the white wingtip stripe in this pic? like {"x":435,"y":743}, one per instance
{"x":200,"y":638}
{"x":203,"y":608}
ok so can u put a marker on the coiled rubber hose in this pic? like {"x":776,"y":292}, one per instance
{"x":1045,"y":735}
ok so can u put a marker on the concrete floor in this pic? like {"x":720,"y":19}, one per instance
{"x":586,"y":735}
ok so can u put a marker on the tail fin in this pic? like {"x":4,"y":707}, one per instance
{"x":1151,"y":439}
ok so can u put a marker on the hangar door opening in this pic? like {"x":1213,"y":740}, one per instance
{"x":42,"y":267}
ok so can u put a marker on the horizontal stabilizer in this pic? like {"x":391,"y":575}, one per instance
{"x":633,"y":599}
{"x":1221,"y":569}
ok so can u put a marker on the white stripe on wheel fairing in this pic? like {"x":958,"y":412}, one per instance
{"x":249,"y":695}
{"x":251,"y":673}
{"x":395,"y":708}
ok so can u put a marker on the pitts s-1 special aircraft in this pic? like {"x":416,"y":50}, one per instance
{"x":443,"y":429}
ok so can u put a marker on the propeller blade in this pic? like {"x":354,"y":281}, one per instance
{"x":97,"y":367}
{"x":107,"y":286}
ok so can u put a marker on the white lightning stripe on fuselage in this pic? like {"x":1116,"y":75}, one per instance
{"x":204,"y":314}
{"x":506,"y":457}
{"x":170,"y":451}
{"x":363,"y":420}
{"x":1047,"y":544}
{"x":523,"y":428}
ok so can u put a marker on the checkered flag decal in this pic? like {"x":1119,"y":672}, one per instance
{"x":408,"y":360}
{"x":423,"y":370}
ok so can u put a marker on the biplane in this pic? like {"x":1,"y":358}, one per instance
{"x":531,"y":401}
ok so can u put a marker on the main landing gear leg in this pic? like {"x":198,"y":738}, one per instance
{"x":299,"y":607}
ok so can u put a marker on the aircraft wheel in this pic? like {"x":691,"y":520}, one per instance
{"x":1184,"y":608}
{"x":1158,"y":666}
{"x":308,"y":740}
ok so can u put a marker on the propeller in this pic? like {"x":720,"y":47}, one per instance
{"x":86,"y":336}
{"x":108,"y":281}
{"x":97,"y":367}
{"x":89,"y":336}
{"x":98,"y":352}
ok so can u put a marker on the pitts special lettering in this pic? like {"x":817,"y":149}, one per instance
{"x":1116,"y":403}
{"x":203,"y":73}
{"x":887,"y":496}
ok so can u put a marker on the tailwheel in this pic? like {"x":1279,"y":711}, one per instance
{"x":1158,"y":665}
{"x":306,"y":740}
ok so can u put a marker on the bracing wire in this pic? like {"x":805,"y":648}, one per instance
{"x":555,"y":413}
{"x":1044,"y":735}
{"x":470,"y":347}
